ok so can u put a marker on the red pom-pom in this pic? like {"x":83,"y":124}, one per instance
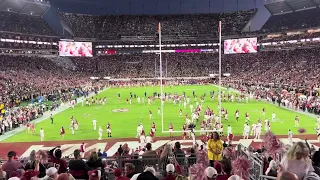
{"x":230,"y":153}
{"x":241,"y":167}
{"x":302,"y":130}
{"x":198,"y":171}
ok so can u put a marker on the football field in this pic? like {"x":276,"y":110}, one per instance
{"x":125,"y":117}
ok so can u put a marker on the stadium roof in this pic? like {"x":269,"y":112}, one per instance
{"x":32,"y":7}
{"x":283,"y":6}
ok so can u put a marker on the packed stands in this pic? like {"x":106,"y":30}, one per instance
{"x":104,"y":26}
{"x":293,"y":21}
{"x":21,"y":23}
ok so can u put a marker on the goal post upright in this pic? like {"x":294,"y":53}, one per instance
{"x":220,"y":71}
{"x":161,"y":85}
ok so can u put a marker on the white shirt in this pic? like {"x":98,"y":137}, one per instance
{"x":229,"y":129}
{"x":148,"y":139}
{"x":100,"y":131}
{"x":41,"y":132}
{"x":273,"y":115}
{"x":94,"y":122}
{"x":139,"y":129}
{"x":290,"y":133}
{"x":237,"y":114}
{"x":254,"y":126}
{"x":142,"y":139}
{"x":247,"y":129}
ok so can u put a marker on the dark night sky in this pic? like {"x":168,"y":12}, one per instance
{"x":137,"y":7}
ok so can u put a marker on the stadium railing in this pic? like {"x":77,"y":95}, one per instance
{"x":256,"y":170}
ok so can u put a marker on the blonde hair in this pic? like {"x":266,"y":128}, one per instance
{"x":299,"y":151}
{"x":167,"y":150}
{"x":94,"y":156}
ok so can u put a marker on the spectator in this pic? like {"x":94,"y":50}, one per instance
{"x":272,"y":169}
{"x":66,"y":176}
{"x":120,"y":150}
{"x":11,"y":165}
{"x":95,"y":162}
{"x":236,"y":177}
{"x":179,"y":154}
{"x":192,"y":159}
{"x":99,"y":153}
{"x":148,"y":174}
{"x":104,"y":154}
{"x":211,"y":173}
{"x":56,"y":159}
{"x":129,"y":170}
{"x":226,"y":168}
{"x":41,"y":163}
{"x":118,"y":175}
{"x":165,"y":158}
{"x":94,"y":175}
{"x":31,"y":161}
{"x":51,"y":174}
{"x":316,"y":158}
{"x":170,"y":172}
{"x":214,"y":148}
{"x":286,"y":175}
{"x":78,"y":168}
{"x":149,"y":150}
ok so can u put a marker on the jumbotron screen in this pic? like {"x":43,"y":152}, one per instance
{"x":75,"y":49}
{"x":244,"y":45}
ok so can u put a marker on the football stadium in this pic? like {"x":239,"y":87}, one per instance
{"x":148,"y":89}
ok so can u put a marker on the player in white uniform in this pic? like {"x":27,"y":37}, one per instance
{"x":149,"y":101}
{"x":185,"y":105}
{"x":139,"y":130}
{"x":273,"y":118}
{"x":94,"y":123}
{"x":266,"y":125}
{"x":229,"y":130}
{"x":246,"y":131}
{"x":148,"y":139}
{"x":258,"y":131}
{"x":253,"y":130}
{"x":191,"y":108}
{"x":142,"y":140}
{"x":100,"y":133}
{"x":296,"y":122}
{"x":290,"y":135}
{"x":41,"y":134}
{"x":138,"y":100}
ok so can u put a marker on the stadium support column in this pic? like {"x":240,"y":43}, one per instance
{"x":220,"y":84}
{"x":161,"y":88}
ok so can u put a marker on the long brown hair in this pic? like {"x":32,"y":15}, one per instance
{"x":94,"y":156}
{"x":217,"y":135}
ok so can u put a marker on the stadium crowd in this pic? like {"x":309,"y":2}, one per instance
{"x":103,"y":26}
{"x":210,"y":161}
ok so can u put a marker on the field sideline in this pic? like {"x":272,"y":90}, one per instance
{"x":124,"y":124}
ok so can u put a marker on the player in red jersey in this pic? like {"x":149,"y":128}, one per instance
{"x":142,"y":132}
{"x":151,"y":135}
{"x":62,"y":132}
{"x":153,"y":127}
{"x":28,"y":128}
{"x":184,"y":134}
{"x":33,"y":129}
{"x":171,"y":130}
{"x":109,"y":130}
{"x":150,"y":115}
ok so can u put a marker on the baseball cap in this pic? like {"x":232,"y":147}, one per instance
{"x":211,"y":172}
{"x":170,"y":168}
{"x":51,"y":171}
{"x":117,"y":172}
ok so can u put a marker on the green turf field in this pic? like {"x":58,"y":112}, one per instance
{"x":124,"y":124}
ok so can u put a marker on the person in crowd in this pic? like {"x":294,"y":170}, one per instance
{"x":95,"y":162}
{"x":170,"y":172}
{"x":51,"y":174}
{"x":166,"y":158}
{"x":287,"y":175}
{"x":129,"y":170}
{"x":316,"y":158}
{"x":118,"y":175}
{"x":192,"y":159}
{"x":94,"y":175}
{"x":272,"y":169}
{"x":214,"y":148}
{"x":120,"y":150}
{"x":226,"y":169}
{"x":211,"y":173}
{"x":148,"y":174}
{"x":31,"y":160}
{"x":11,"y":165}
{"x":179,"y":154}
{"x":57,"y":160}
{"x":77,"y":167}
